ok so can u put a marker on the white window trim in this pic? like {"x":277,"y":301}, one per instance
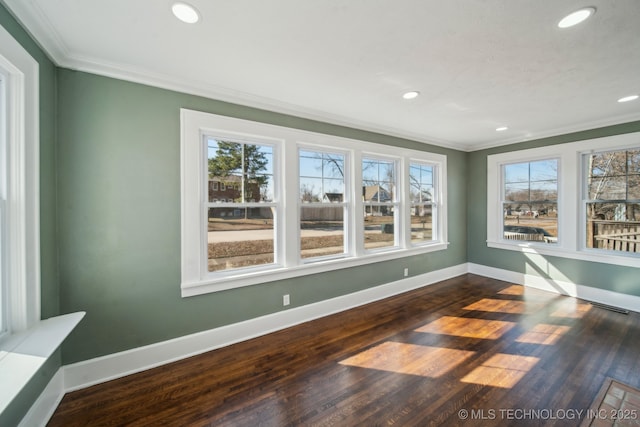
{"x":195,"y":280}
{"x":571,"y":241}
{"x":23,"y":203}
{"x":29,"y":341}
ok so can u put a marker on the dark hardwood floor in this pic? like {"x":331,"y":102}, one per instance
{"x":466,"y":351}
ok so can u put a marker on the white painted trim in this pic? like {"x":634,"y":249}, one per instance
{"x":86,"y":373}
{"x":23,"y":198}
{"x":588,"y":293}
{"x":571,"y":216}
{"x":95,"y":371}
{"x":196,"y":280}
{"x":42,"y":410}
{"x":24,"y":353}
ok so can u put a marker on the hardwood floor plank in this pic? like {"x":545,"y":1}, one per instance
{"x":470,"y":344}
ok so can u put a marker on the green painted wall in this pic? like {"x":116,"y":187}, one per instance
{"x":48,"y":244}
{"x":119,"y":219}
{"x":598,"y":275}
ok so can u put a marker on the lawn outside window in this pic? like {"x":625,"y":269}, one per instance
{"x":263,"y":202}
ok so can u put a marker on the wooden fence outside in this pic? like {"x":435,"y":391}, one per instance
{"x":621,"y":236}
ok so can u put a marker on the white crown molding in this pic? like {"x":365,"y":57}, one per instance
{"x":580,"y":127}
{"x":35,"y":21}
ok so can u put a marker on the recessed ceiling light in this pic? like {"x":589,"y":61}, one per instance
{"x":411,"y":95}
{"x":576,"y":17}
{"x":185,"y":13}
{"x":628,"y":98}
{"x":501,"y":128}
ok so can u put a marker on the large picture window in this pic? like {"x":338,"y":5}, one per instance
{"x":263,"y":203}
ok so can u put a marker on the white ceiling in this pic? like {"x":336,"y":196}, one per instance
{"x":478,"y":64}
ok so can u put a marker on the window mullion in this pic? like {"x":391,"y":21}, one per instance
{"x":355,"y":228}
{"x":289,"y":218}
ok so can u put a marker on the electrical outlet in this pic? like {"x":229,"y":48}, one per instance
{"x":406,"y":271}
{"x":286,"y":300}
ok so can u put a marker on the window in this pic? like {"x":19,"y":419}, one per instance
{"x":380,"y":202}
{"x":4,"y":308}
{"x":612,"y":200}
{"x":530,"y":201}
{"x":422,"y":188}
{"x":297,"y":203}
{"x":578,"y":200}
{"x":19,"y":197}
{"x":322,"y":203}
{"x":240,"y":232}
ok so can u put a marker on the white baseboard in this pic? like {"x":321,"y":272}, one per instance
{"x":602,"y":296}
{"x":44,"y":407}
{"x":94,"y":371}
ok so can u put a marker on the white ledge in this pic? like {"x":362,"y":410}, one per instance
{"x":23,"y":353}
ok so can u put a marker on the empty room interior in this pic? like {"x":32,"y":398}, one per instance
{"x":334,"y":213}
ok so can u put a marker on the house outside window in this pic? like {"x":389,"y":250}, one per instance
{"x":241,"y":230}
{"x":322,"y":203}
{"x":290,"y":203}
{"x":423,"y":195}
{"x":380,"y":202}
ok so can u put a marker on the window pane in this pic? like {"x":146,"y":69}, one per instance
{"x":516,"y":173}
{"x":613,"y":163}
{"x":239,"y":172}
{"x":613,"y":226}
{"x":379,"y":226}
{"x":608,"y":188}
{"x":516,"y":191}
{"x":321,"y":177}
{"x":239,"y":237}
{"x":543,"y":190}
{"x":537,"y":222}
{"x":421,"y":223}
{"x":633,"y":187}
{"x":633,"y":161}
{"x":544,"y":170}
{"x":421,"y":183}
{"x":321,"y":230}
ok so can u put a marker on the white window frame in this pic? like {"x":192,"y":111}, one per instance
{"x":21,"y":145}
{"x":349,"y":245}
{"x":571,"y":233}
{"x":435,"y":215}
{"x":196,"y":280}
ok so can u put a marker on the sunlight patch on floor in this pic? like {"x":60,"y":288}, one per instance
{"x":501,"y":370}
{"x":468,"y":327}
{"x":544,"y":334}
{"x":402,"y":358}
{"x":572,"y":309}
{"x":504,"y":306}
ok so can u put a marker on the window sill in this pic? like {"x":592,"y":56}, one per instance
{"x":23,"y":354}
{"x":593,"y":255}
{"x":261,"y":275}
